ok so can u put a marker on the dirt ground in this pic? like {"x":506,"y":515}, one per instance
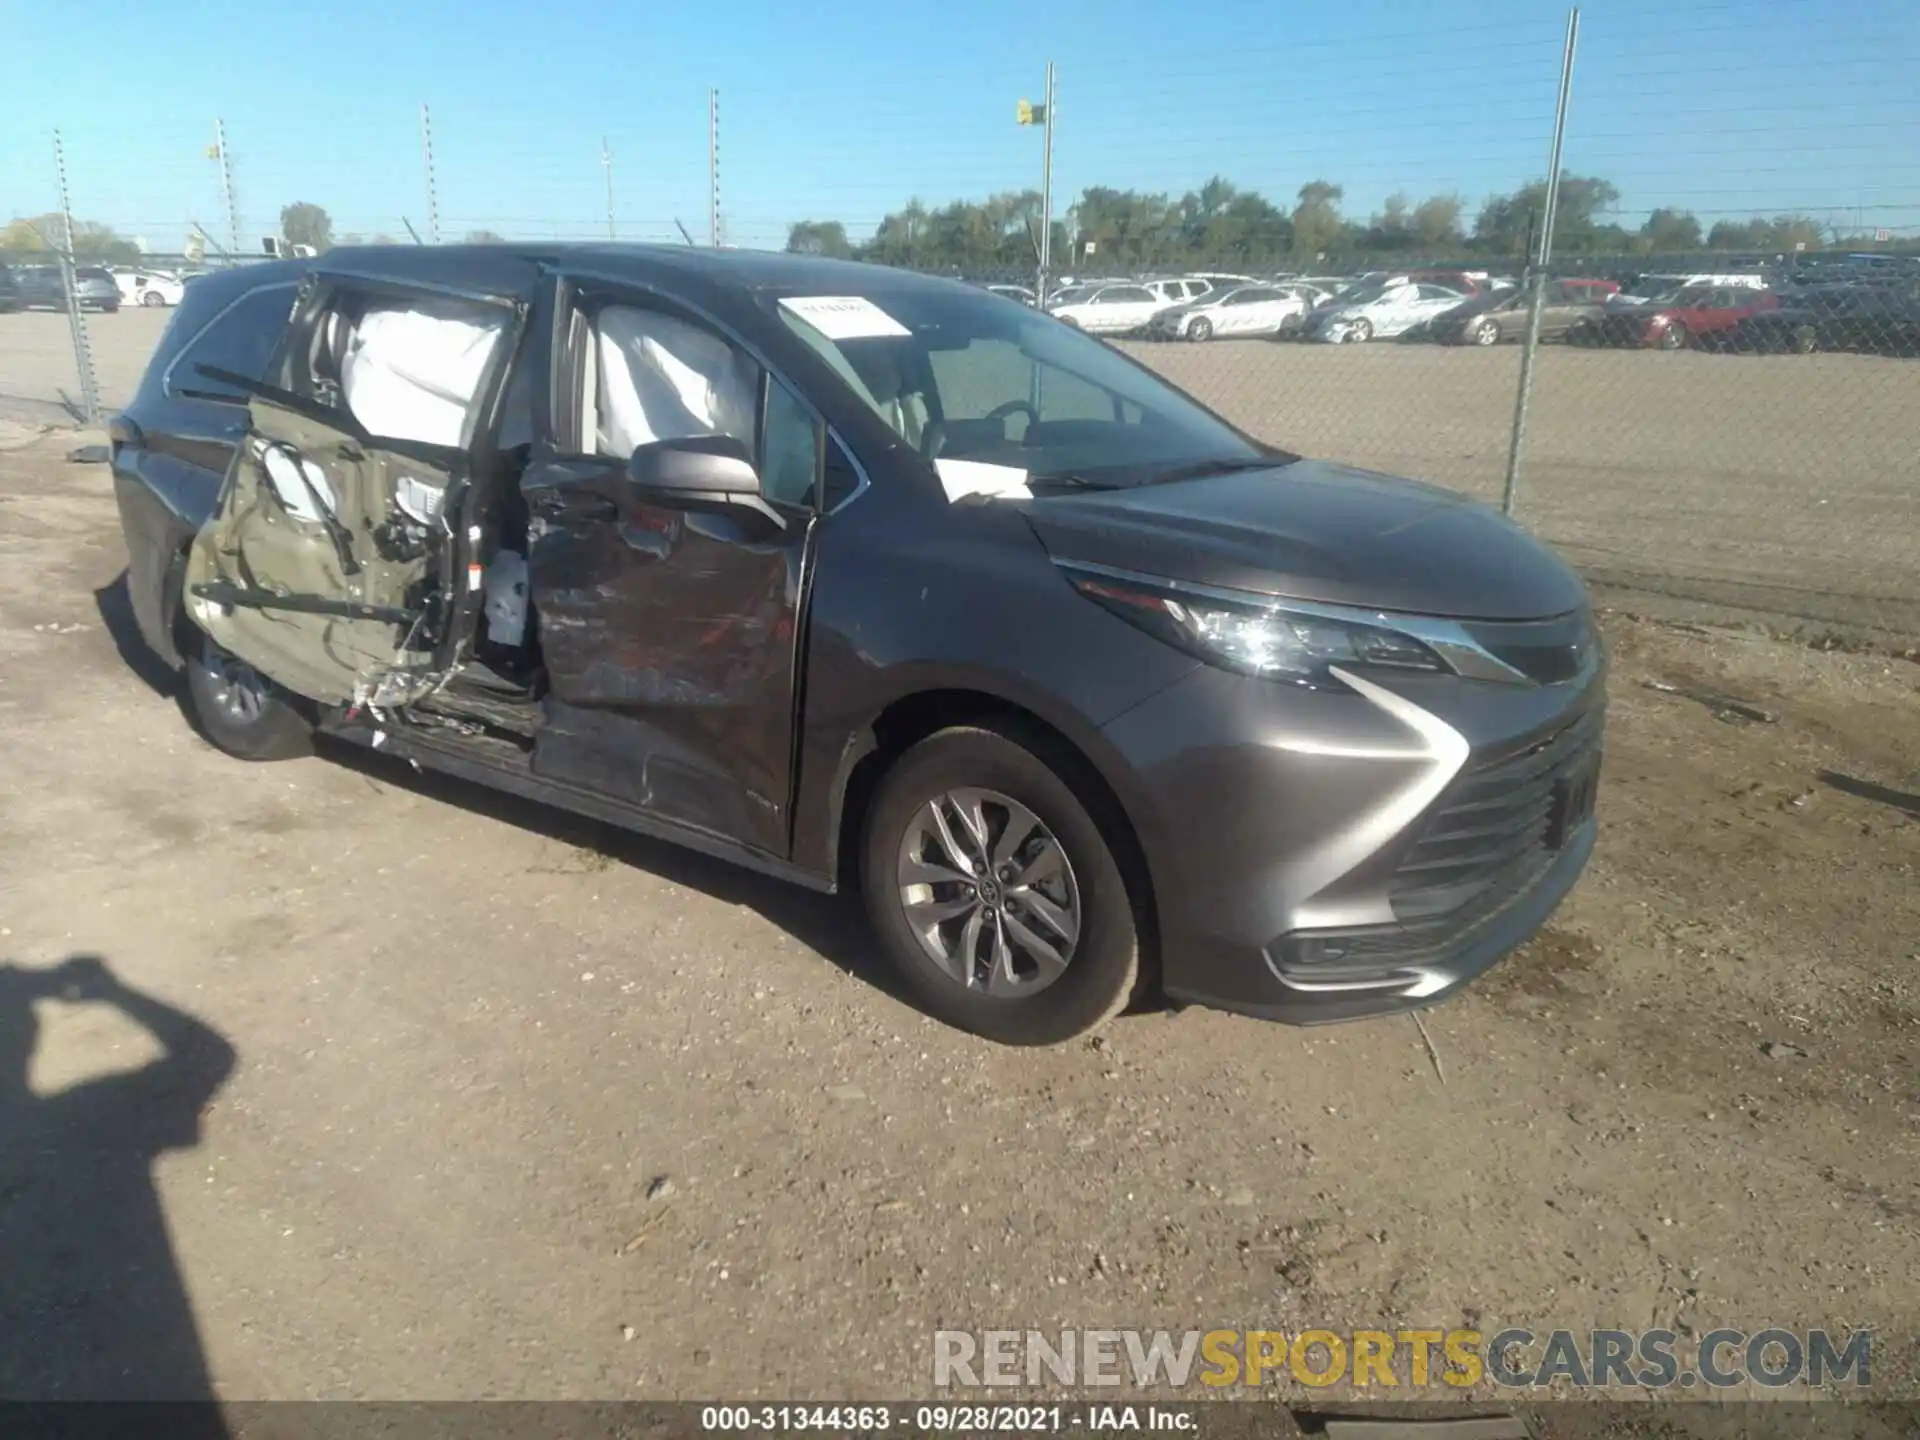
{"x":469,"y":1038}
{"x":1776,"y":488}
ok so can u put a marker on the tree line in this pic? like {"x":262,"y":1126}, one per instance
{"x":1218,"y":225}
{"x":1222,"y":225}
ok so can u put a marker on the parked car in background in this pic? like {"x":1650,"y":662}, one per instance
{"x":1693,"y":315}
{"x":864,"y":580}
{"x":1653,"y":291}
{"x":149,"y":288}
{"x":1500,"y":315}
{"x":1245,"y":311}
{"x":1220,"y":280}
{"x":1869,"y":318}
{"x":1463,"y":282}
{"x":1384,"y":310}
{"x":93,"y":287}
{"x":10,"y":296}
{"x":1011,"y":292}
{"x":1115,"y":309}
{"x":1311,"y":292}
{"x":1178,"y":290}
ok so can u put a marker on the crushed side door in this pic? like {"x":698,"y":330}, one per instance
{"x":328,"y":562}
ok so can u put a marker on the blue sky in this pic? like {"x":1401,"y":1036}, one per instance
{"x":1726,"y":108}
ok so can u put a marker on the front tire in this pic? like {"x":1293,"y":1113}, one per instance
{"x":1674,"y":337}
{"x":994,"y":894}
{"x":1200,"y":329}
{"x":1487,"y":332}
{"x":1359,"y":332}
{"x":240,"y":710}
{"x":152,"y":299}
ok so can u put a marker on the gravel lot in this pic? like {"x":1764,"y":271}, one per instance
{"x":1777,"y":487}
{"x":469,"y":1039}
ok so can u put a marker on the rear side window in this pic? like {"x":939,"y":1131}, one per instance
{"x":241,"y":338}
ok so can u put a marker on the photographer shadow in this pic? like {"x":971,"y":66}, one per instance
{"x":92,"y":1302}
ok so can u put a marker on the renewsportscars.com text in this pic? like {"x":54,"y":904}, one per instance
{"x":1512,"y":1358}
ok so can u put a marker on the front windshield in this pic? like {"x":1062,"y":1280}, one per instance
{"x":1001,"y":385}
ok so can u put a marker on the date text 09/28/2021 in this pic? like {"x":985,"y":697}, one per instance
{"x":948,"y":1419}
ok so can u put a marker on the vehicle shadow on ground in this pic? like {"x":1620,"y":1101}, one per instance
{"x":1867,"y":790}
{"x":116,"y":614}
{"x":832,"y":926}
{"x":92,"y":1303}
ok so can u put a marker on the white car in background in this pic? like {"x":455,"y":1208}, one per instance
{"x":1383,"y":310}
{"x":1244,"y":310}
{"x":151,"y":288}
{"x":1117,"y":309}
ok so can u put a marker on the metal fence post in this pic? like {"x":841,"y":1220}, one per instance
{"x":713,"y":168}
{"x":1537,"y":280}
{"x":82,"y":353}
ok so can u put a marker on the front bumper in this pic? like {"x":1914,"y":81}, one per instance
{"x":1317,"y":857}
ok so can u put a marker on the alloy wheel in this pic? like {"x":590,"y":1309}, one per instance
{"x":236,"y":687}
{"x":989,"y":892}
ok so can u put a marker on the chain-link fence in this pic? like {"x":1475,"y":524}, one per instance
{"x":1331,"y":238}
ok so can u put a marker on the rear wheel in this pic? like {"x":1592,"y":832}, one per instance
{"x":994,"y":893}
{"x":1359,"y":332}
{"x":1805,"y":340}
{"x":1200,"y":329}
{"x":153,"y":299}
{"x":240,"y":710}
{"x":1487,"y":332}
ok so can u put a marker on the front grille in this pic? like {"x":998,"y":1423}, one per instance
{"x":1489,"y":833}
{"x":1486,"y":842}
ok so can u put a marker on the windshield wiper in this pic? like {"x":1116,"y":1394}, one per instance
{"x":1065,"y":480}
{"x":1201,"y":468}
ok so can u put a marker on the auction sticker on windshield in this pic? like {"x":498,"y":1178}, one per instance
{"x":844,"y":317}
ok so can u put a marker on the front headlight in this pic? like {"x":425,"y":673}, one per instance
{"x":1257,"y":636}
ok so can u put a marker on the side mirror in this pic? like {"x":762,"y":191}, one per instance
{"x":703,"y":472}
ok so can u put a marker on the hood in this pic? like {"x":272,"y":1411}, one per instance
{"x":1312,"y":530}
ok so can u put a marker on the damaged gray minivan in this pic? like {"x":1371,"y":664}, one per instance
{"x":859,"y":577}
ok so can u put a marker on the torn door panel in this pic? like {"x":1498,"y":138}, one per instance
{"x":323,"y":565}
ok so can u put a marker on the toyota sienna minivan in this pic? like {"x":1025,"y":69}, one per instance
{"x":866,"y":579}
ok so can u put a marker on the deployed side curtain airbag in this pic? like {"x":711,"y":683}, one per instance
{"x":664,"y":379}
{"x":411,"y":372}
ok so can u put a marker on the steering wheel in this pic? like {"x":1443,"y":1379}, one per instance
{"x":1009,"y":407}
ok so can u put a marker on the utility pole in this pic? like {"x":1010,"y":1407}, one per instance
{"x":606,"y":164}
{"x":713,"y":168}
{"x":426,"y":161}
{"x":82,"y":354}
{"x":226,"y":183}
{"x":1042,"y":115}
{"x":1046,"y":195}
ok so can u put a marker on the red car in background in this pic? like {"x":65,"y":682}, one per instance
{"x":1694,"y":315}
